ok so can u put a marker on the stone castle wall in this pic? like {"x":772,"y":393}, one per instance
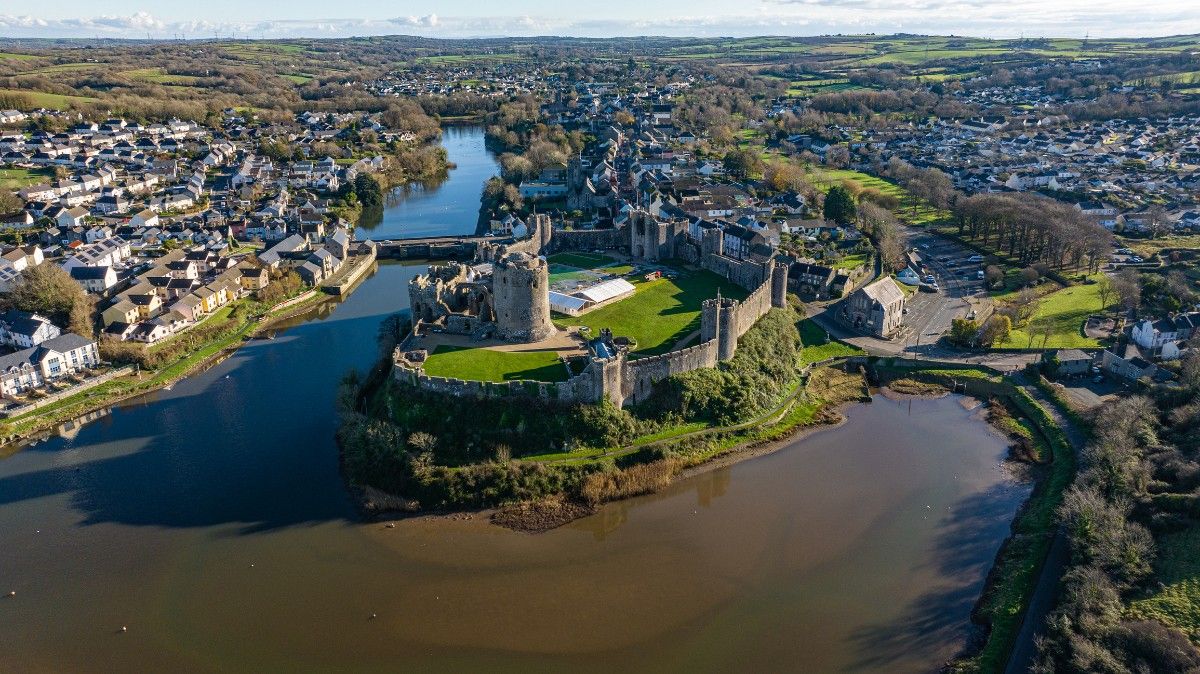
{"x":621,"y":380}
{"x":746,"y":273}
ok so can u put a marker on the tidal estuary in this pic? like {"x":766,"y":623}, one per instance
{"x":211,"y":522}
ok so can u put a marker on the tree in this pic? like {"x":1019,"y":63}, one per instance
{"x":1106,"y":291}
{"x":740,"y":163}
{"x":994,"y":276}
{"x":369,"y":193}
{"x":996,"y":330}
{"x":963,"y":332}
{"x":837,"y":156}
{"x":48,"y":289}
{"x":623,"y":118}
{"x":839,"y":205}
{"x":1029,"y":276}
{"x":1129,"y":289}
{"x":9,"y":202}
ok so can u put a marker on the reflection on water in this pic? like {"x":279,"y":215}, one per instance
{"x":211,"y":521}
{"x":444,"y":207}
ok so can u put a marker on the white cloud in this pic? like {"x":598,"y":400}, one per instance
{"x":987,"y":18}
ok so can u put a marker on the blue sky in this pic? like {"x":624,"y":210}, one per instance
{"x":474,"y":18}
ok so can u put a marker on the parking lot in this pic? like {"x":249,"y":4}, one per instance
{"x":960,"y":291}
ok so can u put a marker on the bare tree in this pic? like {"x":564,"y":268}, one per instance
{"x":1106,"y":290}
{"x":1129,"y":289}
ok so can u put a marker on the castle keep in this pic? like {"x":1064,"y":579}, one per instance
{"x":503,"y":295}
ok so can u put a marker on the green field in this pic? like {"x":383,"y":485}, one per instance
{"x":298,"y":79}
{"x":41,"y":99}
{"x":480,"y":364}
{"x":160,"y":76}
{"x":17,"y":178}
{"x":911,"y":211}
{"x":1067,"y":309}
{"x":10,"y":56}
{"x":660,"y":312}
{"x":581,"y":260}
{"x":816,"y":349}
{"x":1177,"y":602}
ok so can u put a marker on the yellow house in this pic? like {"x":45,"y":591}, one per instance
{"x":253,"y":278}
{"x":209,"y":301}
{"x":148,"y":304}
{"x":123,"y":311}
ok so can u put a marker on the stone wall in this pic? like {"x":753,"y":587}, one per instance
{"x":623,"y":381}
{"x":746,"y":273}
{"x":638,"y":377}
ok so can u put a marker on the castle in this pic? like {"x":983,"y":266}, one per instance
{"x":508,"y":299}
{"x":505,"y":295}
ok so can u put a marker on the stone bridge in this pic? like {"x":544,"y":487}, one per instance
{"x":430,"y":248}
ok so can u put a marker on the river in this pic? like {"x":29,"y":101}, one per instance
{"x":210,"y":522}
{"x":450,"y":207}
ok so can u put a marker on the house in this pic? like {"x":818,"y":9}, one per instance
{"x":1154,"y":335}
{"x":21,"y":329}
{"x":54,"y":358}
{"x":190,"y":306}
{"x":877,"y":308}
{"x":149,"y":332}
{"x":253,"y":278}
{"x":813,"y":279}
{"x":123,"y":311}
{"x":95,"y":279}
{"x":1073,"y":362}
{"x":1131,"y":366}
{"x":72,"y":217}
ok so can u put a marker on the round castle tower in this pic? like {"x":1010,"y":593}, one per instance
{"x":520,"y":292}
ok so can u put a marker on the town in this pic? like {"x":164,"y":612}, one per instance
{"x":671,"y":255}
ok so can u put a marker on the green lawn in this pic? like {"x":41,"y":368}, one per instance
{"x":1068,"y":309}
{"x":1178,"y":568}
{"x":580,"y":260}
{"x":816,"y":349}
{"x":480,"y":364}
{"x":660,"y":312}
{"x":41,"y":99}
{"x":911,"y":211}
{"x":17,"y":178}
{"x":852,"y":261}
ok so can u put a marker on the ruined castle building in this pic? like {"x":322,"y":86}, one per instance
{"x":520,"y":288}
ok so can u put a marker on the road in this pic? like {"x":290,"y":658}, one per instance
{"x":930,"y":314}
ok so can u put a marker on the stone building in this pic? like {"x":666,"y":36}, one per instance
{"x":521,"y":299}
{"x":505,"y":293}
{"x":876,"y":309}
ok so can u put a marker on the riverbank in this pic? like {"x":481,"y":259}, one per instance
{"x":41,"y":422}
{"x":1040,"y":443}
{"x":650,"y":462}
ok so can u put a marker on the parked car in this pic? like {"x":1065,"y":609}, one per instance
{"x":975,"y":258}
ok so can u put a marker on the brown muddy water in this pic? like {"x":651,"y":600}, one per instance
{"x":211,"y":523}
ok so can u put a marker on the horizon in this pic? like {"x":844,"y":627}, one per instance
{"x":467,"y":19}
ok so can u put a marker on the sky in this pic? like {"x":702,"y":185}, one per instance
{"x":703,"y":18}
